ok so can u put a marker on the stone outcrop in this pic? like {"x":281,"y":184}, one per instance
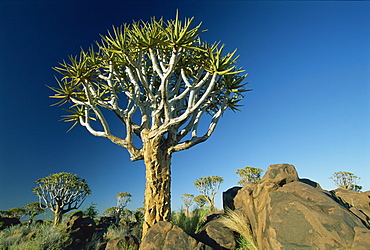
{"x":285,"y":212}
{"x":357,"y":203}
{"x":217,"y":236}
{"x":166,"y":236}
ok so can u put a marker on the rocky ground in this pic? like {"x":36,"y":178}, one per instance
{"x":282,"y":211}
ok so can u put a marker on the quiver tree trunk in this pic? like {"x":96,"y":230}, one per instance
{"x":58,"y":215}
{"x":157,"y":200}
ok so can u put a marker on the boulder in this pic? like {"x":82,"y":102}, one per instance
{"x":357,"y":203}
{"x":286,"y":213}
{"x":166,"y":236}
{"x":7,"y":222}
{"x":228,"y":197}
{"x":217,"y":236}
{"x":80,"y":229}
{"x":124,"y":242}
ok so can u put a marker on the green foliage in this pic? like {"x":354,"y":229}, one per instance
{"x":91,"y":211}
{"x":238,"y":222}
{"x":17,"y":212}
{"x":346,"y":180}
{"x":200,"y":200}
{"x":249,"y":174}
{"x":115,"y":232}
{"x":36,"y":236}
{"x":33,"y":209}
{"x":110,"y":212}
{"x":191,"y":224}
{"x":208,"y":186}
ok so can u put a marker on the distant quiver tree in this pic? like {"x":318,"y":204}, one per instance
{"x":159,"y":79}
{"x":188,"y":200}
{"x":346,"y":180}
{"x":208,"y":186}
{"x":61,"y":193}
{"x":200,"y":201}
{"x":249,"y":174}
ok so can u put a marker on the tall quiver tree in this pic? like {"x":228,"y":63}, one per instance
{"x":159,"y":79}
{"x":61,"y":193}
{"x":188,"y":200}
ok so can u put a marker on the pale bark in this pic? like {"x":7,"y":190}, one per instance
{"x":157,"y":202}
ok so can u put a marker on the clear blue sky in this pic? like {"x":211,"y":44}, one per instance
{"x":309,"y":67}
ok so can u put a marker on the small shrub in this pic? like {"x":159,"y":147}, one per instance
{"x":192,"y":224}
{"x":238,"y":222}
{"x":115,"y":232}
{"x":44,"y":236}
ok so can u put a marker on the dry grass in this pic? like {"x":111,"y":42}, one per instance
{"x":238,"y":222}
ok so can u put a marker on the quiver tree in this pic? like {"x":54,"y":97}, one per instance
{"x":122,"y":201}
{"x":208,"y":186}
{"x":249,"y":174}
{"x":159,"y":79}
{"x":346,"y":180}
{"x":188,"y":201}
{"x":200,"y":201}
{"x":33,"y":209}
{"x":61,"y":193}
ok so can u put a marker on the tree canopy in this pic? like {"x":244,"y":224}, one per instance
{"x":61,"y":193}
{"x":249,"y":174}
{"x":161,"y":70}
{"x":346,"y":180}
{"x":208,"y":186}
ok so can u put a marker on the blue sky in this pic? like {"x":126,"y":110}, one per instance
{"x":309,"y":67}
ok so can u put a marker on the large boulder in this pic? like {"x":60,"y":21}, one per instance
{"x":357,"y":203}
{"x":80,"y":229}
{"x":7,"y":222}
{"x":166,"y":236}
{"x":286,"y":213}
{"x":216,"y":235}
{"x":228,"y":198}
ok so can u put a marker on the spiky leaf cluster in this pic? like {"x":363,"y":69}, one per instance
{"x":158,"y":69}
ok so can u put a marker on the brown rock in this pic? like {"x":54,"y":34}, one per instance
{"x":228,"y":197}
{"x":166,"y":236}
{"x":7,"y":222}
{"x":285,"y":213}
{"x":124,"y":242}
{"x":217,"y":236}
{"x":80,"y":230}
{"x":358,"y":203}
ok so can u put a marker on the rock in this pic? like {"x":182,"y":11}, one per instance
{"x":166,"y":236}
{"x":7,"y":222}
{"x":217,"y":236}
{"x":80,"y":229}
{"x":124,"y":242}
{"x":228,"y":198}
{"x":357,"y":203}
{"x":286,"y":213}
